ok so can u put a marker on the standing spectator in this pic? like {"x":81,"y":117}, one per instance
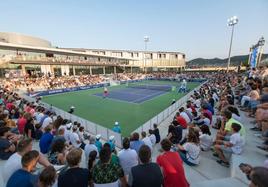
{"x":74,"y":176}
{"x":48,"y":120}
{"x":127,"y":157}
{"x":146,"y":173}
{"x":22,"y":122}
{"x":116,"y":127}
{"x":156,"y":133}
{"x":135,"y":143}
{"x":172,"y":166}
{"x":7,"y":148}
{"x":46,"y":140}
{"x":106,"y":172}
{"x":23,"y":177}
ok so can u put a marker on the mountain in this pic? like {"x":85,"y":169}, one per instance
{"x":235,"y":60}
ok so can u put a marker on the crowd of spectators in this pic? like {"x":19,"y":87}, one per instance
{"x":63,"y":143}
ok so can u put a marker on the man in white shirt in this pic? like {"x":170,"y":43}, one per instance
{"x":48,"y":120}
{"x":127,"y":157}
{"x":91,"y":147}
{"x":67,"y":131}
{"x":14,"y":161}
{"x":146,"y":140}
{"x":75,"y":140}
{"x":152,"y":137}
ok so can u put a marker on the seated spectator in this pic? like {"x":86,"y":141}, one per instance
{"x":91,"y":160}
{"x":156,"y":133}
{"x":111,"y":141}
{"x":135,"y":143}
{"x":98,"y":142}
{"x":57,"y":154}
{"x":14,"y":162}
{"x":172,"y":166}
{"x":7,"y":147}
{"x":127,"y":157}
{"x":146,"y":140}
{"x":91,"y":147}
{"x":47,"y":178}
{"x":152,"y":137}
{"x":38,"y":131}
{"x":29,"y":129}
{"x":74,"y":176}
{"x":74,"y":139}
{"x":175,"y":133}
{"x":59,"y":135}
{"x":46,"y":140}
{"x":106,"y":172}
{"x":181,"y":121}
{"x":146,"y":173}
{"x":234,"y":146}
{"x":205,"y":138}
{"x":190,"y":151}
{"x":22,"y":122}
{"x":185,"y":115}
{"x":23,"y":177}
{"x":114,"y":157}
{"x":259,"y":177}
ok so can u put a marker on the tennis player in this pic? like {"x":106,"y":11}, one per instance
{"x":105,"y":92}
{"x":183,"y":87}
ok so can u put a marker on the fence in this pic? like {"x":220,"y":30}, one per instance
{"x":94,"y":128}
{"x":165,"y":113}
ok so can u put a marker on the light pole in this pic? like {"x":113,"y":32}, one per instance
{"x":261,"y":43}
{"x":146,"y":40}
{"x":231,"y":22}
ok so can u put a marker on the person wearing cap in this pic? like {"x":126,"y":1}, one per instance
{"x":111,"y":142}
{"x":98,"y":142}
{"x":116,"y":127}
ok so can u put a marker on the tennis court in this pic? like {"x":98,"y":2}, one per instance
{"x":137,"y":93}
{"x":130,"y":106}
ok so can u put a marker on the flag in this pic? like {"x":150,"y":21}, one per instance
{"x":253,"y":59}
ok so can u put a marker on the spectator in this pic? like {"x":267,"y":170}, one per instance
{"x":146,"y":173}
{"x":172,"y":166}
{"x":46,"y":140}
{"x":23,"y":177}
{"x":22,"y":122}
{"x":60,"y":135}
{"x":152,"y":137}
{"x":184,"y":115}
{"x":92,"y":160}
{"x":127,"y":157}
{"x":156,"y":133}
{"x":190,"y":151}
{"x":47,"y":177}
{"x":181,"y":121}
{"x":98,"y":142}
{"x":135,"y":143}
{"x":29,"y":129}
{"x":38,"y":132}
{"x":7,"y":148}
{"x":14,"y":162}
{"x":116,"y":127}
{"x":233,"y":146}
{"x":146,"y":140}
{"x":74,"y":139}
{"x":205,"y":138}
{"x":57,"y":154}
{"x":91,"y":147}
{"x":114,"y":157}
{"x":259,"y":177}
{"x":111,"y":142}
{"x":74,"y":176}
{"x":106,"y":172}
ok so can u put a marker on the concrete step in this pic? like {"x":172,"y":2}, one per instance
{"x":224,"y":182}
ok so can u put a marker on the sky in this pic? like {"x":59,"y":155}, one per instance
{"x":197,"y":28}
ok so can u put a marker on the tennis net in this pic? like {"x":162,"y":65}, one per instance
{"x":150,"y":86}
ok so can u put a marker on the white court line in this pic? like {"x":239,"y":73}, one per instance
{"x":152,"y":95}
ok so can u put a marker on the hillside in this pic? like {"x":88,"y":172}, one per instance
{"x":235,"y":60}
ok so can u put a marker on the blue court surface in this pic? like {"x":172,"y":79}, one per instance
{"x":133,"y":95}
